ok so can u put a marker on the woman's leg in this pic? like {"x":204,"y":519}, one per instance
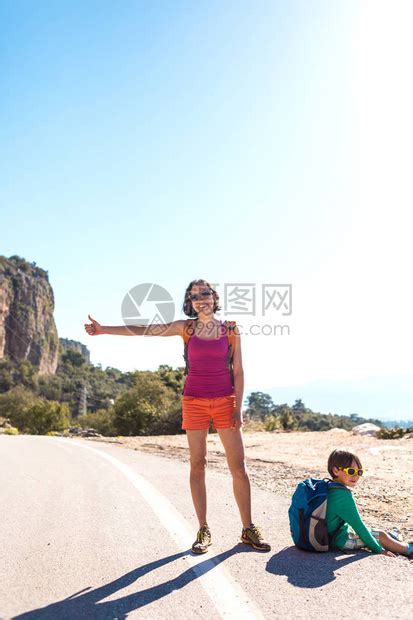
{"x":234,"y":450}
{"x":198,"y":459}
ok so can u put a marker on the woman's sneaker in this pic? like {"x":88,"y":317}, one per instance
{"x":203,"y":540}
{"x":252,"y":536}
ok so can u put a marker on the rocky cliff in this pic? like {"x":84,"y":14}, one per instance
{"x":74,"y":345}
{"x":27,"y":327}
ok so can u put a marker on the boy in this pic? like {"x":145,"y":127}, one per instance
{"x":343,"y":519}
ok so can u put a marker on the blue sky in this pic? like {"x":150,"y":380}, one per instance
{"x":242,"y":142}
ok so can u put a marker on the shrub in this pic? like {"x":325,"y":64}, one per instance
{"x":50,"y":387}
{"x":15,"y":403}
{"x":13,"y":374}
{"x":150,"y":407}
{"x":253,"y":426}
{"x":168,"y":422}
{"x":259,"y":405}
{"x":287,"y":419}
{"x":272,"y":423}
{"x":31,"y":414}
{"x":44,"y":416}
{"x":393,"y":433}
{"x":102,"y":420}
{"x":11,"y":430}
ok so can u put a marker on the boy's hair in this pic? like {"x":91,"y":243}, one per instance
{"x":341,"y":458}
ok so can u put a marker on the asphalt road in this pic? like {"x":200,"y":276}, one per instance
{"x":90,"y":530}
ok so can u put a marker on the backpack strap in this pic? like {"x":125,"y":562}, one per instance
{"x":335,"y":485}
{"x":230,"y":327}
{"x":188,"y":331}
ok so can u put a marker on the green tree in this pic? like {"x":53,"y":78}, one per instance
{"x":44,"y":416}
{"x":102,"y":420}
{"x":6,"y":375}
{"x":173,"y":378}
{"x":73,"y":357}
{"x":259,"y":405}
{"x":286,"y":416}
{"x":80,"y":380}
{"x":25,"y":374}
{"x":15,"y":403}
{"x":133,"y":414}
{"x":272,"y":423}
{"x":21,"y":373}
{"x":50,"y":387}
{"x":298,"y":405}
{"x":146,"y":408}
{"x":31,"y":414}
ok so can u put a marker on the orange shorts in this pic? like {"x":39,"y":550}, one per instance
{"x":197,"y":412}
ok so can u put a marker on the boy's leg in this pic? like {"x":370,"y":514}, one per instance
{"x":389,"y":543}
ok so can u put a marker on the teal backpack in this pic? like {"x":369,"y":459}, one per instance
{"x":307,"y":514}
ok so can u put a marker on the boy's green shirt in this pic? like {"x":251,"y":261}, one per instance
{"x":342,"y":512}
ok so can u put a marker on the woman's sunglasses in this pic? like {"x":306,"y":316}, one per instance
{"x":351,"y":471}
{"x":203,"y":295}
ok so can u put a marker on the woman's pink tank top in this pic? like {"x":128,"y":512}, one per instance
{"x":208,"y":375}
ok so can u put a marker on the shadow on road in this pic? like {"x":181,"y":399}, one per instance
{"x":310,"y":570}
{"x":85,"y":604}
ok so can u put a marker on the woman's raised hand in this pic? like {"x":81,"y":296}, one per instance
{"x":94,"y":328}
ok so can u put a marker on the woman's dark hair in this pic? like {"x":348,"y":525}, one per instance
{"x":341,"y":458}
{"x":187,"y":305}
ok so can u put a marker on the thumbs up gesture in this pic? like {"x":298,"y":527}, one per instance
{"x":94,"y":328}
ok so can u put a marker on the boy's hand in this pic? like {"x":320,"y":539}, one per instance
{"x":389,"y":553}
{"x":94,"y":328}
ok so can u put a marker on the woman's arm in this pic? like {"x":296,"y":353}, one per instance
{"x":238,"y":380}
{"x":175,"y":328}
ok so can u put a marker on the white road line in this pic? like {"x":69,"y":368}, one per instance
{"x":226,"y":595}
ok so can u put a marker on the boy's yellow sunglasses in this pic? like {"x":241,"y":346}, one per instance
{"x":351,"y":471}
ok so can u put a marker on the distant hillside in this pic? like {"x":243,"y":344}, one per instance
{"x":398,"y":423}
{"x":74,"y":345}
{"x":386,"y":398}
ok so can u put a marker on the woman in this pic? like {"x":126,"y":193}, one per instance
{"x":212,"y":391}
